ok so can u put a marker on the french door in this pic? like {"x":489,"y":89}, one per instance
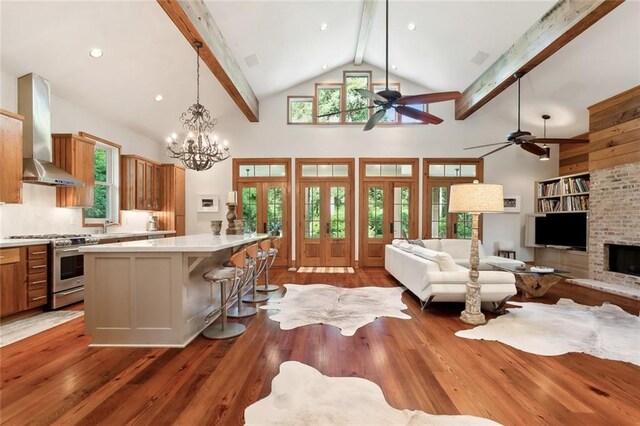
{"x":264,"y":200}
{"x":324,"y":213}
{"x":440,"y":174}
{"x":388,"y":205}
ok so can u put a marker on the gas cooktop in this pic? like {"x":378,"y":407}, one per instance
{"x":60,"y":240}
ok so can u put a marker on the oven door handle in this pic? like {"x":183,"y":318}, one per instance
{"x":66,"y":293}
{"x":69,"y":250}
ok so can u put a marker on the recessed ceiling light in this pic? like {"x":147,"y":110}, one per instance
{"x":411,"y":26}
{"x":394,"y":67}
{"x":159,"y":98}
{"x":324,"y":67}
{"x":323,"y":26}
{"x":95,"y":53}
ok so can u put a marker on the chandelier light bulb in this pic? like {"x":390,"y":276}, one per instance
{"x":226,"y":144}
{"x":174,"y":136}
{"x":169,"y":140}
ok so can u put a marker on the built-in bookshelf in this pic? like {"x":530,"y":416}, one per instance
{"x":563,"y":194}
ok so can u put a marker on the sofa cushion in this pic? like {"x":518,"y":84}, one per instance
{"x":405,"y":246}
{"x":460,"y":249}
{"x":418,"y":243}
{"x":444,"y":260}
{"x":432,"y":244}
{"x":396,"y":242}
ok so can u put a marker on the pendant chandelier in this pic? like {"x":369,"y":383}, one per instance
{"x":198,"y":151}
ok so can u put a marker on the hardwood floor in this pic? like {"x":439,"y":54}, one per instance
{"x":54,"y":377}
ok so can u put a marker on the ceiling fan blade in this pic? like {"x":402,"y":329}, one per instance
{"x":374,"y":119}
{"x":428,"y":98}
{"x":483,"y":146}
{"x":418,"y":115}
{"x":346,"y":110}
{"x":559,"y":140}
{"x":533,"y":148}
{"x":370,"y":95}
{"x":496,"y":150}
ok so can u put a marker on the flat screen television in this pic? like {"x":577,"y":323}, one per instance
{"x":562,"y":229}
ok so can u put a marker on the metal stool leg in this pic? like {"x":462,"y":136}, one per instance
{"x":241,"y":311}
{"x":223,"y":330}
{"x":254,"y":297}
{"x":268,"y":287}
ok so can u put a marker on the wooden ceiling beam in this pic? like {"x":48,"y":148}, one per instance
{"x":365,"y":29}
{"x":193,"y":19}
{"x":562,"y":23}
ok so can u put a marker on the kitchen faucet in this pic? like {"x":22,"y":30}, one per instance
{"x":106,"y":224}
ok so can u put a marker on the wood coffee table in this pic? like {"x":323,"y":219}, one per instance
{"x":532,"y":283}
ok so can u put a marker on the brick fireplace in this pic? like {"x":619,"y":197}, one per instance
{"x":614,"y":219}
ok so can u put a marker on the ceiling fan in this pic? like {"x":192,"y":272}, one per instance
{"x":386,"y":99}
{"x":526,"y":140}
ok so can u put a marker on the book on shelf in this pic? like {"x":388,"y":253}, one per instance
{"x":548,"y":206}
{"x":549,"y":189}
{"x":576,"y":203}
{"x":576,"y":185}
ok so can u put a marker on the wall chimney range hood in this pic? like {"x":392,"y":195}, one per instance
{"x":34,"y":99}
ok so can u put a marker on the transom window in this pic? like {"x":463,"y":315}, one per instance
{"x":388,"y":170}
{"x":329,"y":99}
{"x":325,"y":170}
{"x":261,"y":170}
{"x":352,"y":82}
{"x":452,"y":170}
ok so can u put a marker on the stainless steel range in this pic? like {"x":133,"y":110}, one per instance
{"x":67,"y":266}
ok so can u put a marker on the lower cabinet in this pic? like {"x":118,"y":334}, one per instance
{"x":23,"y":277}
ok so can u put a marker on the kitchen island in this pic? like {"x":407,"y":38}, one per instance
{"x":151,"y":292}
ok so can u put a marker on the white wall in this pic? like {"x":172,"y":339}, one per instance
{"x":37,"y":213}
{"x":272,"y":137}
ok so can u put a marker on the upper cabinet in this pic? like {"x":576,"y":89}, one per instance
{"x":173,"y":199}
{"x":140,"y":183}
{"x":75,"y":154}
{"x":11,"y":154}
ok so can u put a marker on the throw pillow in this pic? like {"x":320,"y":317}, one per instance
{"x":417,"y":243}
{"x":444,"y":260}
{"x":405,"y":246}
{"x":396,"y":242}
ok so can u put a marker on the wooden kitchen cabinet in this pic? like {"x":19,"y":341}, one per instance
{"x":140,"y":181}
{"x":11,"y":154}
{"x":173,"y":199}
{"x":75,"y":154}
{"x":24,"y":272}
{"x":13,"y":297}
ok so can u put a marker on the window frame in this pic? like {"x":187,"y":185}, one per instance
{"x":399,"y":89}
{"x":319,"y":86}
{"x":347,"y":73}
{"x":113,"y":182}
{"x":313,"y":109}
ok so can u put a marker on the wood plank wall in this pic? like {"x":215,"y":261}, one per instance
{"x":614,"y":130}
{"x":574,"y":158}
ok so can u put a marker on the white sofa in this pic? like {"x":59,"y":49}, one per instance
{"x":430,"y":283}
{"x":460,"y":252}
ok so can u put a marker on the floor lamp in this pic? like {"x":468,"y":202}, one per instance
{"x":475,"y":198}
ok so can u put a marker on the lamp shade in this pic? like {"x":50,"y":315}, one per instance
{"x":476,"y":198}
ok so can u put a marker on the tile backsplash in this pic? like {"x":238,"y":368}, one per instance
{"x":38,"y":214}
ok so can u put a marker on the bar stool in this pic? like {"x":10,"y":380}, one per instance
{"x":259,"y":266}
{"x":241,"y":311}
{"x":225,"y":276}
{"x":269,"y":251}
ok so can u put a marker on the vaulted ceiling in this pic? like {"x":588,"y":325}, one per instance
{"x":146,"y":55}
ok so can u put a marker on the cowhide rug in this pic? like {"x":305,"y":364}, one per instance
{"x":301,"y":395}
{"x":345,"y":308}
{"x":605,"y":331}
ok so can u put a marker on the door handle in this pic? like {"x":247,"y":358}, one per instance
{"x":391,"y":228}
{"x":264,"y":227}
{"x":455,"y":228}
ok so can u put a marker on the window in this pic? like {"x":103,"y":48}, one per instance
{"x":354,"y":81}
{"x":388,"y":170}
{"x":325,"y":170}
{"x":452,"y":170}
{"x":329,"y":99}
{"x":300,"y":109}
{"x":106,"y":200}
{"x":261,"y":170}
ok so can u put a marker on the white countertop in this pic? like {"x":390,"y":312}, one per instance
{"x":188,"y":243}
{"x":7,"y":243}
{"x":131,"y":234}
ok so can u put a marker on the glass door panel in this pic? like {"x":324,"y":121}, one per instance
{"x":249,"y":206}
{"x":337,"y":245}
{"x":274,"y":210}
{"x":439,"y":203}
{"x":338,"y":221}
{"x":463,"y":226}
{"x":401,"y":211}
{"x":312,"y":212}
{"x":375,"y":202}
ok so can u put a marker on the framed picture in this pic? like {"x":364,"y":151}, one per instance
{"x":208,"y":203}
{"x":511,"y":203}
